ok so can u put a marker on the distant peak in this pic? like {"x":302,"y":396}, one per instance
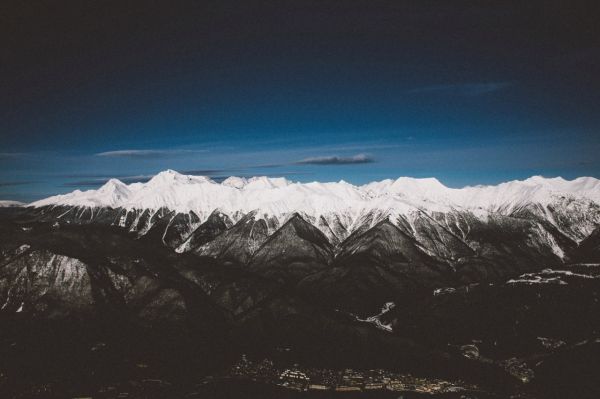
{"x":114,"y":183}
{"x":170,"y":173}
{"x":170,"y":176}
{"x":235,"y":182}
{"x":557,"y":183}
{"x":419,"y":180}
{"x":267,"y":182}
{"x":544,"y":180}
{"x":114,"y":186}
{"x":423,"y":186}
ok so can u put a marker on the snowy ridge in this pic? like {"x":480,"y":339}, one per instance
{"x":11,"y":204}
{"x":279,"y":196}
{"x":505,"y":196}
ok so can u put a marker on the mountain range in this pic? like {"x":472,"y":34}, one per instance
{"x":256,"y":265}
{"x":410,"y":221}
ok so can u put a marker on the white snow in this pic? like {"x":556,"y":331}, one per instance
{"x":10,"y":204}
{"x":547,"y":276}
{"x":442,"y":291}
{"x":376,"y":321}
{"x":535,"y":279}
{"x":278,"y":197}
{"x":22,"y":249}
{"x":566,"y":273}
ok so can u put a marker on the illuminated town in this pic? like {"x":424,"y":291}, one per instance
{"x":301,"y":378}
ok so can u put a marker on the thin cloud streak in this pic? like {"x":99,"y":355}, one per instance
{"x":101,"y":181}
{"x":16,"y":183}
{"x":107,"y":176}
{"x":94,"y":183}
{"x":219,"y":179}
{"x":147,"y":153}
{"x":205,"y":172}
{"x":336,"y":160}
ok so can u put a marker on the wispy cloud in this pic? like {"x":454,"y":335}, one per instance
{"x":336,"y":160}
{"x":147,"y":153}
{"x":463,"y":89}
{"x":89,"y":176}
{"x":266,"y":166}
{"x":289,"y":174}
{"x":361,"y":147}
{"x":15,"y":183}
{"x":205,"y":172}
{"x":97,"y":182}
{"x":120,"y":176}
{"x":11,"y":155}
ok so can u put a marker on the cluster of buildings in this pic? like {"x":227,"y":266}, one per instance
{"x":301,"y":378}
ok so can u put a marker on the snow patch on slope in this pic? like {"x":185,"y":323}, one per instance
{"x":376,"y":320}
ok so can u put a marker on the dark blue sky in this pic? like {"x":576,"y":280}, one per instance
{"x":473,"y":92}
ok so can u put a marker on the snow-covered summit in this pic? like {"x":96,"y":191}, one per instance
{"x":279,"y":196}
{"x":169,"y":176}
{"x":234,"y":181}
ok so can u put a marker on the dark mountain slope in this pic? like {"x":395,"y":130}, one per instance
{"x":180,"y":227}
{"x":435,"y":237}
{"x":384,"y":244}
{"x":239,"y":242}
{"x":589,"y":249}
{"x":216,"y":223}
{"x":375,"y":267}
{"x":294,"y":251}
{"x":508,"y":246}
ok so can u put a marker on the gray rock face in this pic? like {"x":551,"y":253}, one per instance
{"x":356,"y":265}
{"x":296,"y":250}
{"x":216,"y":224}
{"x":42,"y":282}
{"x":588,"y":250}
{"x":239,"y":242}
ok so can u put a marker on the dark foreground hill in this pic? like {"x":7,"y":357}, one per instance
{"x":88,"y":307}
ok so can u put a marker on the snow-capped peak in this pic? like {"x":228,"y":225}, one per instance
{"x":259,"y":182}
{"x":170,"y":176}
{"x":279,"y":196}
{"x":234,"y":181}
{"x":114,"y":185}
{"x":115,"y":190}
